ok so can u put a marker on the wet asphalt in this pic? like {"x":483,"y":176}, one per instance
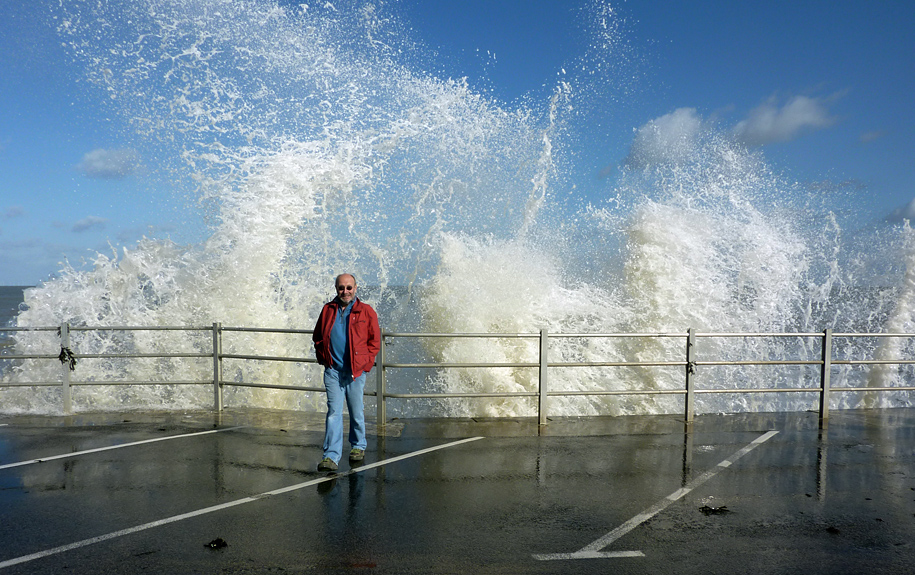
{"x":238,"y":492}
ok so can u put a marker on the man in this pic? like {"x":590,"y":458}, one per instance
{"x":347,"y":339}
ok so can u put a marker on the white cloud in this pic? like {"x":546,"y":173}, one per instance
{"x":675,"y":137}
{"x":109,"y":164}
{"x":668,"y":139}
{"x":88,"y":223}
{"x":768,"y":123}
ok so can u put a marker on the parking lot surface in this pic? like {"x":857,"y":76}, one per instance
{"x":238,"y":492}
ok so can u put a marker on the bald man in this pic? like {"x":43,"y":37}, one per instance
{"x":347,"y":339}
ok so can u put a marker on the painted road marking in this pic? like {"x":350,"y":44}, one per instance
{"x":593,"y":551}
{"x":110,"y":447}
{"x":214,"y":508}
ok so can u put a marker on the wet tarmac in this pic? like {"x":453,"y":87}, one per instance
{"x":238,"y":493}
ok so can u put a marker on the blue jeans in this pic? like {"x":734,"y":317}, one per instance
{"x":341,"y":386}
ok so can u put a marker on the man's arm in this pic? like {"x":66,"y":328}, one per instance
{"x":374,"y":339}
{"x":318,"y":337}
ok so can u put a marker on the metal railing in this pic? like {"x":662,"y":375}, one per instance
{"x":689,"y":364}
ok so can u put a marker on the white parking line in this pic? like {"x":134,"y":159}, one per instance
{"x":205,"y":510}
{"x":593,"y":551}
{"x":119,"y":446}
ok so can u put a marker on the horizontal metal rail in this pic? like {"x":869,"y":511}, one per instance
{"x":894,"y":334}
{"x":461,"y":395}
{"x":761,"y":390}
{"x":266,"y":330}
{"x":760,"y":362}
{"x":859,"y":389}
{"x":271,"y":386}
{"x":617,"y":363}
{"x":447,"y":364}
{"x":757,"y":334}
{"x":139,"y":328}
{"x":31,"y":383}
{"x":139,"y":355}
{"x":33,"y":356}
{"x":573,"y":392}
{"x":690,"y":363}
{"x":611,"y":335}
{"x":873,"y":362}
{"x":143,"y":382}
{"x":268,"y":358}
{"x":465,"y":335}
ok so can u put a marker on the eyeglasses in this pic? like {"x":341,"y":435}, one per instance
{"x":345,"y":288}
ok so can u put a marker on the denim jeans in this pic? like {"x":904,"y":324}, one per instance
{"x":341,"y":387}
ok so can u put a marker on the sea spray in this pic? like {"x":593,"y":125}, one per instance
{"x":711,"y":243}
{"x":901,"y":320}
{"x":513,"y":287}
{"x":311,"y":151}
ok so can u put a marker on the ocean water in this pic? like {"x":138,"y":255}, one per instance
{"x":10,"y":298}
{"x":317,"y":140}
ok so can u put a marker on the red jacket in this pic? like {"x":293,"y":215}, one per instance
{"x":364,"y":336}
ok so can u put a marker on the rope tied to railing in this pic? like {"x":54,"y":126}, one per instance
{"x":67,"y":355}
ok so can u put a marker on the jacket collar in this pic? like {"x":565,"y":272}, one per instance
{"x":339,"y":304}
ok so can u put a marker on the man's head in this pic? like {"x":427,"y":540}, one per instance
{"x":345,"y":284}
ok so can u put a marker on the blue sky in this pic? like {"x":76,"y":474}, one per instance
{"x":823,"y":89}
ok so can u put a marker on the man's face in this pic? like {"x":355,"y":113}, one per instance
{"x":346,"y":288}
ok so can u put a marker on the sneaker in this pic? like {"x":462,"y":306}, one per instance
{"x":327,"y":464}
{"x":356,"y":454}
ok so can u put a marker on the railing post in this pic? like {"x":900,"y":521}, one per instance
{"x":217,"y":366}
{"x":824,"y":378}
{"x":381,"y":407}
{"x":544,"y":386}
{"x":66,"y":362}
{"x":690,"y":372}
